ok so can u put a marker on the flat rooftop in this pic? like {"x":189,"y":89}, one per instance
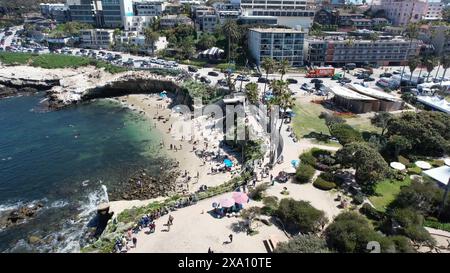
{"x":276,"y":30}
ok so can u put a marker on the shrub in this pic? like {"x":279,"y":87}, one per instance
{"x":437,"y":163}
{"x":303,"y":244}
{"x":270,"y":205}
{"x":300,"y":215}
{"x":316,"y":152}
{"x":328,"y":176}
{"x":358,"y":199}
{"x":415,"y":170}
{"x":308,"y":158}
{"x":371,"y":212}
{"x":258,"y":192}
{"x":345,"y":133}
{"x":403,"y":160}
{"x":323,"y":184}
{"x":304,"y":173}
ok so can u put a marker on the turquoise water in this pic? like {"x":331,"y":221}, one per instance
{"x":67,"y":160}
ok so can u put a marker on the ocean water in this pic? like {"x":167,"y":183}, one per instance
{"x":68,"y":160}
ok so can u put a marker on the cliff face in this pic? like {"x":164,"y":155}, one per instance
{"x":65,"y":87}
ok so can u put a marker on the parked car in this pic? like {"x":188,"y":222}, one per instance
{"x":306,"y":87}
{"x":362,"y":76}
{"x":292,"y":81}
{"x":386,"y":75}
{"x":222,"y":82}
{"x":242,"y":78}
{"x":316,"y":81}
{"x":192,"y":69}
{"x":205,"y":79}
{"x":263,"y":80}
{"x":369,"y":79}
{"x":344,"y":80}
{"x":396,"y":72}
{"x":213,"y":73}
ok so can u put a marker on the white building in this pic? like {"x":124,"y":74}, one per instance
{"x":97,"y":38}
{"x":276,"y":43}
{"x":298,"y":19}
{"x":149,"y":8}
{"x":138,"y":23}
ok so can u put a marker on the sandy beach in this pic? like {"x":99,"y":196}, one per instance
{"x":152,"y":106}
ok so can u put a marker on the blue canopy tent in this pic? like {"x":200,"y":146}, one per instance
{"x":228,"y":163}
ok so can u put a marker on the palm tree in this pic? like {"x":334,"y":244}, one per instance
{"x":430,"y":64}
{"x":231,"y":30}
{"x":445,"y":61}
{"x":412,"y":31}
{"x":348,"y":43}
{"x":151,"y":37}
{"x":283,"y":67}
{"x":251,"y":90}
{"x":413,"y":63}
{"x":282,"y":96}
{"x":269,"y":66}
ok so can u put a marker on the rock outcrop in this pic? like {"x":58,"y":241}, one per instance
{"x":17,"y":216}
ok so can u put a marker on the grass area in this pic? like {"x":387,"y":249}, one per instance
{"x":53,"y":61}
{"x":437,"y":225}
{"x":307,"y":119}
{"x":386,"y":191}
{"x":362,"y":124}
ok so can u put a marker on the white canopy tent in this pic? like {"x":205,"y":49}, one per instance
{"x":440,"y":174}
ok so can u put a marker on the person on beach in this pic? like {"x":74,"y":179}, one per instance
{"x":134,"y":242}
{"x":181,"y":147}
{"x":171,"y":146}
{"x":171,"y":219}
{"x":271,"y":179}
{"x":231,"y":238}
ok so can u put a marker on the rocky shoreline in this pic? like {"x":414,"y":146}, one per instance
{"x":65,"y":87}
{"x":19,"y":215}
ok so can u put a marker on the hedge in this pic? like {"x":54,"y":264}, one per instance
{"x":414,"y":170}
{"x":437,"y":225}
{"x":308,"y":158}
{"x":304,"y":173}
{"x":323,"y":184}
{"x":371,"y":212}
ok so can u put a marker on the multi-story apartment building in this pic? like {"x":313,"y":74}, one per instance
{"x":345,"y":19}
{"x":338,"y":51}
{"x":276,"y":43}
{"x":112,"y":14}
{"x":402,"y":12}
{"x":138,"y":23}
{"x":149,"y":8}
{"x":85,"y":11}
{"x":97,"y":38}
{"x":437,"y":36}
{"x":58,"y":12}
{"x":170,"y":21}
{"x":258,"y":20}
{"x":434,"y":10}
{"x":206,"y":19}
{"x":297,"y":14}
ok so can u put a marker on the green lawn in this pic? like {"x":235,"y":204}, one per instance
{"x":386,"y":191}
{"x":362,"y":124}
{"x":307,"y":119}
{"x":52,"y":61}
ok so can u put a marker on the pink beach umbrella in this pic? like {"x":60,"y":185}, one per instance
{"x":227,"y":202}
{"x":240,"y":197}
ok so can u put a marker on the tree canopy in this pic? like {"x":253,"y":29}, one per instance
{"x":300,"y":215}
{"x":427,"y":132}
{"x":370,"y":166}
{"x":303,"y":244}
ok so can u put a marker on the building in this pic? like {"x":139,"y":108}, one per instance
{"x":434,"y":10}
{"x":361,"y":23}
{"x":294,"y":14}
{"x":85,"y":11}
{"x":258,"y":20}
{"x":352,"y":100}
{"x":276,"y":43}
{"x":149,"y":8}
{"x":345,"y":19}
{"x":326,"y":16}
{"x":57,"y":12}
{"x":138,"y":23}
{"x":338,"y":51}
{"x":402,"y":12}
{"x":173,"y":8}
{"x":97,"y":38}
{"x":170,"y":21}
{"x":437,"y":37}
{"x":206,"y":19}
